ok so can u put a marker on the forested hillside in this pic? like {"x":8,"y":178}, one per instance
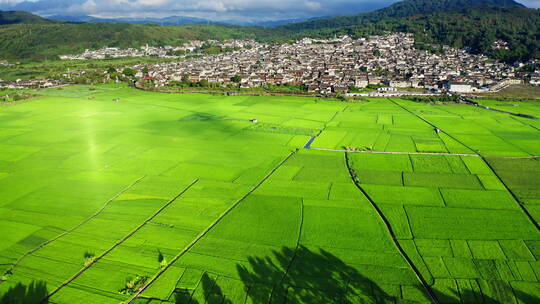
{"x":475,"y":28}
{"x":48,"y":40}
{"x":474,"y":24}
{"x":400,"y":9}
{"x":14,"y":17}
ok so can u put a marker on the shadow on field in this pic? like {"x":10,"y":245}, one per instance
{"x":293,"y":275}
{"x":303,"y":276}
{"x":502,"y":293}
{"x":212,"y":293}
{"x":21,"y":294}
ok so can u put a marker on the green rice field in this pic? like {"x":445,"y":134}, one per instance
{"x":530,"y":107}
{"x":116,"y":195}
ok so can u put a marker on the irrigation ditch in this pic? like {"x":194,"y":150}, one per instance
{"x":476,"y":104}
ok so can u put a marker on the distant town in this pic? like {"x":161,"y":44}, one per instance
{"x":324,"y":66}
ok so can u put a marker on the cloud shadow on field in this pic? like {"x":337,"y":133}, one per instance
{"x":21,"y":294}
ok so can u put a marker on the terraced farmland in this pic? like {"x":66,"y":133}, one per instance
{"x":165,"y":198}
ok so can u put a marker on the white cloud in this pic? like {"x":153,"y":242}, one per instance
{"x":224,"y":9}
{"x":313,"y":5}
{"x":214,"y":9}
{"x":531,"y":3}
{"x":9,"y":2}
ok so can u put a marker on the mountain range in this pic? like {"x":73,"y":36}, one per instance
{"x":474,"y":24}
{"x":173,"y":20}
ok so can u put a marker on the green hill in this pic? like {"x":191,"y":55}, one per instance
{"x":475,"y":28}
{"x":474,"y":24}
{"x":14,"y":17}
{"x":400,"y":9}
{"x":48,"y":40}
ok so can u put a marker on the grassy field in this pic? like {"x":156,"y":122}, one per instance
{"x":54,"y":68}
{"x":516,"y":91}
{"x":111,"y":195}
{"x":455,"y":219}
{"x":529,"y":107}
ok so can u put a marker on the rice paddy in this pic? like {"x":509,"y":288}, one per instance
{"x":115,"y":195}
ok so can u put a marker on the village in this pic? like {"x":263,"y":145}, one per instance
{"x":342,"y":64}
{"x":389,"y":63}
{"x":113,"y":52}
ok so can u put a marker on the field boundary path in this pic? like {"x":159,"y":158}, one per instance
{"x":475,"y":104}
{"x":432,"y":125}
{"x":520,"y":204}
{"x":125,"y":238}
{"x":391,"y":233}
{"x":398,"y":153}
{"x":484,"y":159}
{"x":289,"y":265}
{"x":424,"y":153}
{"x":203,"y":233}
{"x":19,"y":260}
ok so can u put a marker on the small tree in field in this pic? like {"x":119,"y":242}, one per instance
{"x":161,"y":259}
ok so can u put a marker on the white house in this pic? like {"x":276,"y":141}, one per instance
{"x":459,"y":87}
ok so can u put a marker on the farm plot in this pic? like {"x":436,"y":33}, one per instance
{"x":529,"y":107}
{"x":102,"y":187}
{"x":380,"y":125}
{"x":522,"y":176}
{"x":307,"y":235}
{"x":486,"y":132}
{"x":462,"y":230}
{"x":81,"y":177}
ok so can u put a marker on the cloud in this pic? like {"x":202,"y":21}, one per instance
{"x":313,"y":5}
{"x":248,"y":10}
{"x":9,"y":2}
{"x":224,"y":9}
{"x":531,"y":3}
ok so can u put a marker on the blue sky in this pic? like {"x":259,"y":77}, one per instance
{"x":248,"y":10}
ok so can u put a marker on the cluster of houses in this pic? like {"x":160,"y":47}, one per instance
{"x":535,"y":77}
{"x":5,"y":63}
{"x":113,"y":52}
{"x":339,"y":64}
{"x":189,"y":48}
{"x":29,"y":83}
